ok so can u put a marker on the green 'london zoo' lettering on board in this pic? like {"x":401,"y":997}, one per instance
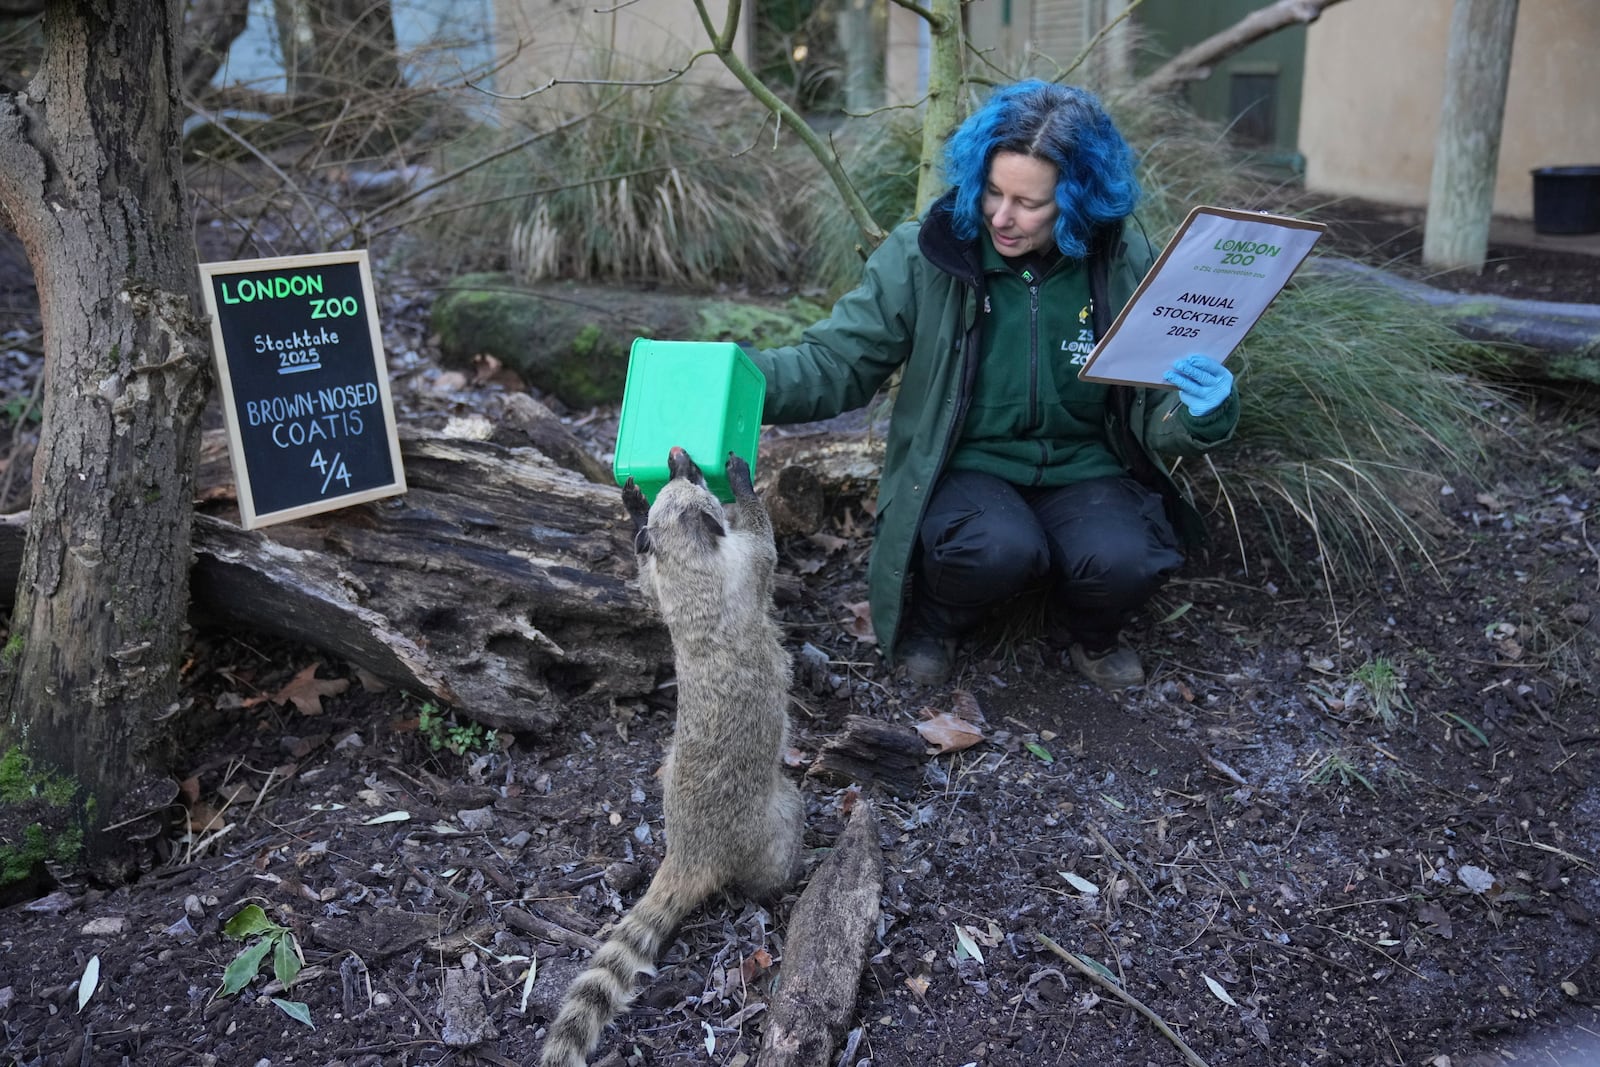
{"x":249,"y":290}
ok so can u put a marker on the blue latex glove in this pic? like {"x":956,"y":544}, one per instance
{"x":1203,"y":383}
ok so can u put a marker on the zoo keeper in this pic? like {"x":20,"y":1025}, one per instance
{"x":1004,"y":472}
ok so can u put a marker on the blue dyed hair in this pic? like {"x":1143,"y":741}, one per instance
{"x":1058,"y":124}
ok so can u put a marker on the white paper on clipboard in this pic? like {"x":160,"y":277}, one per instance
{"x":1209,"y":287}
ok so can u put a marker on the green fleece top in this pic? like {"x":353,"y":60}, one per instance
{"x":1032,"y":421}
{"x":918,"y":308}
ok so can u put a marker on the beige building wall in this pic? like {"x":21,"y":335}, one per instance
{"x":633,"y":39}
{"x":1374,"y":87}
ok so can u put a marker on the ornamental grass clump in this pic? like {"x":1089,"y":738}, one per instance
{"x":1359,"y":412}
{"x":649,"y":189}
{"x":617,"y":184}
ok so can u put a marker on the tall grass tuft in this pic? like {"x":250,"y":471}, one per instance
{"x":1357,"y":409}
{"x":1356,"y":406}
{"x":650,"y":186}
{"x":648,"y":189}
{"x":880,"y":154}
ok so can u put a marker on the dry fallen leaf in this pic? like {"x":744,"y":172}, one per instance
{"x":305,"y":690}
{"x":203,"y":818}
{"x":965,"y":704}
{"x":827,"y":542}
{"x":949,"y":733}
{"x":757,"y":963}
{"x":859,"y":625}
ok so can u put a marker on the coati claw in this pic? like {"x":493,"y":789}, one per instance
{"x":639,"y":511}
{"x":739,"y":480}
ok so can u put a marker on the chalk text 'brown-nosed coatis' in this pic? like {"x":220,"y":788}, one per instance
{"x":732,"y":818}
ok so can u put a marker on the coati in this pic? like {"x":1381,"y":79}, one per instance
{"x":732,"y":818}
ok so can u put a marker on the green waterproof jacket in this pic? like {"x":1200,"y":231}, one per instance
{"x":917,"y":308}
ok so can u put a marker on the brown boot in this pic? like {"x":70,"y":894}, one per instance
{"x":927,"y":659}
{"x":1117,"y":667}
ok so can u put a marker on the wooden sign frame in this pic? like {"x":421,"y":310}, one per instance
{"x":304,"y":360}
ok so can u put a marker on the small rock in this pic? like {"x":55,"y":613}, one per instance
{"x":193,"y":908}
{"x":106,"y":926}
{"x":623,"y":876}
{"x":182,"y":930}
{"x":6,"y":996}
{"x":476,"y":819}
{"x":54,"y":904}
{"x":1475,"y":879}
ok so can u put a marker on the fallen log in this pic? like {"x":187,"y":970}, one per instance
{"x":829,"y":933}
{"x":1542,"y":341}
{"x":500,"y":584}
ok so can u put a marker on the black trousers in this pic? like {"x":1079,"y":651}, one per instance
{"x":1101,"y":548}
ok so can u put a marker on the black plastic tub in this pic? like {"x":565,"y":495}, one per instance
{"x":1566,"y":199}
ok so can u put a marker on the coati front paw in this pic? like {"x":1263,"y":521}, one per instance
{"x":638,"y":509}
{"x":739,"y":480}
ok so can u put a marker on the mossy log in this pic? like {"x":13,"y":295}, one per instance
{"x":1542,"y":341}
{"x":571,"y":341}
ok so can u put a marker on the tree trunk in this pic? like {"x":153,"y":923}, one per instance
{"x":1467,"y":151}
{"x":91,"y":177}
{"x":863,"y":88}
{"x":335,"y":49}
{"x":209,"y":33}
{"x":945,"y":86}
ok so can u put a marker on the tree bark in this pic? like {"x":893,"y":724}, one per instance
{"x":1196,"y":61}
{"x":830,"y":931}
{"x":91,"y":177}
{"x":498,"y":584}
{"x":208,"y":34}
{"x":1467,"y":151}
{"x":945,"y":84}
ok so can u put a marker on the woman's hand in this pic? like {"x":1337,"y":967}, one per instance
{"x":1203,"y":383}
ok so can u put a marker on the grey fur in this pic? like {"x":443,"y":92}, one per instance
{"x":733,"y":818}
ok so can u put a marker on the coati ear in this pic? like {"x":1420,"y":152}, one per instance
{"x":711,"y":526}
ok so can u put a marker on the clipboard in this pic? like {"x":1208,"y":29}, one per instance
{"x":1210,"y":286}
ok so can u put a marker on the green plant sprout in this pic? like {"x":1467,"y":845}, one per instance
{"x":1386,"y":691}
{"x":1331,"y":765}
{"x":441,"y":731}
{"x":280,"y":943}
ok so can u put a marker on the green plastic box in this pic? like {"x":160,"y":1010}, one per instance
{"x":705,"y":396}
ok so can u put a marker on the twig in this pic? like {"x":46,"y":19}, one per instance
{"x":1124,"y":864}
{"x":1123,"y":995}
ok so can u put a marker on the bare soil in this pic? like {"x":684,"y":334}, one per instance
{"x":1281,"y":858}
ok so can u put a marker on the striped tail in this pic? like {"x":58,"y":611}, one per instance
{"x":605,"y":990}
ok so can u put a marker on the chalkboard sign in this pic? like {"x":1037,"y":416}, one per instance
{"x":304,"y":386}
